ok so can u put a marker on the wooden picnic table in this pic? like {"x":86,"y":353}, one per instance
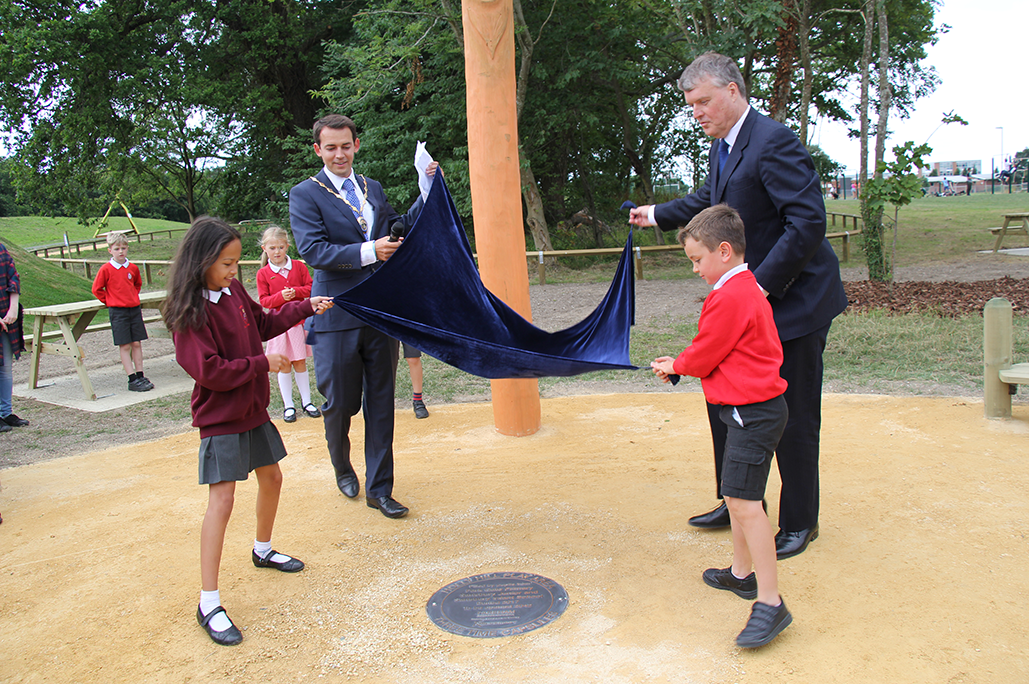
{"x":74,"y":320}
{"x":1022,"y":218}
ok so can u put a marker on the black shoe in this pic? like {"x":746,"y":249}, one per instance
{"x":289,"y":415}
{"x":789,"y":544}
{"x":419,"y":409}
{"x":764,"y":624}
{"x":389,"y":506}
{"x":347,"y":483}
{"x":712,"y":520}
{"x":4,"y":427}
{"x":140,"y":385}
{"x":291,"y":565}
{"x":14,"y":421}
{"x":724,"y":579}
{"x":228,"y":637}
{"x":312,"y":411}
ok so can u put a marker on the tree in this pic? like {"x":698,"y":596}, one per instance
{"x":896,"y":183}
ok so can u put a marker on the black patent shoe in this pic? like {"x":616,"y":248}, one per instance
{"x":289,"y":565}
{"x":226,"y":637}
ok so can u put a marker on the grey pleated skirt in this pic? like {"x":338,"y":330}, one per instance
{"x":232,"y":457}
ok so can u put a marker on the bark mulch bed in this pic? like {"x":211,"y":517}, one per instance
{"x":945,"y":299}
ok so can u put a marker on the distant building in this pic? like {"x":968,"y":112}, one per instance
{"x":963,"y":167}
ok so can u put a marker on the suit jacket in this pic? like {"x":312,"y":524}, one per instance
{"x":329,"y":239}
{"x":770,"y":180}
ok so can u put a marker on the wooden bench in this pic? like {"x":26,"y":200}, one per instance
{"x":1021,"y":227}
{"x":73,"y":321}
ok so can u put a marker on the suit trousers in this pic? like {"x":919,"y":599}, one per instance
{"x":357,"y":370}
{"x":797,"y":454}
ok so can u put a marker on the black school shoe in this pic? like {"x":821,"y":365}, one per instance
{"x":764,"y":624}
{"x":14,"y":421}
{"x":291,"y":565}
{"x":140,"y":385}
{"x":227,"y":637}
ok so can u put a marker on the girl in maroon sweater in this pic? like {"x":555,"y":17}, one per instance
{"x":218,"y":330}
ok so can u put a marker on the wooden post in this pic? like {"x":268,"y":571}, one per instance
{"x":495,"y":179}
{"x":542,"y":269}
{"x":996,"y":355}
{"x":638,"y":256}
{"x":148,"y":277}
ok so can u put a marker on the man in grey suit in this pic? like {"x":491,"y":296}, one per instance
{"x":341,"y":221}
{"x":759,"y":168}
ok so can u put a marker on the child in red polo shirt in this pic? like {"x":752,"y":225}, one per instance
{"x":117,"y":285}
{"x":737,"y":355}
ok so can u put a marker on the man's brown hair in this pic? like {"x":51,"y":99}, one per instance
{"x":333,"y":121}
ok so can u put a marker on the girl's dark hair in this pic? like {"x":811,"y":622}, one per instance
{"x":185,"y":308}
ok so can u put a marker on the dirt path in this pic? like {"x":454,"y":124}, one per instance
{"x":916,"y":577}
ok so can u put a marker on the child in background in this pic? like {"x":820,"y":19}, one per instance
{"x":12,"y":341}
{"x":117,"y":285}
{"x":737,"y":356}
{"x":218,"y":329}
{"x":282,"y":280}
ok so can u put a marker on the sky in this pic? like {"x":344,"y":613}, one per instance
{"x":982,"y":63}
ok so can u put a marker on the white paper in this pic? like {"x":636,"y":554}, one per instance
{"x":422,"y":159}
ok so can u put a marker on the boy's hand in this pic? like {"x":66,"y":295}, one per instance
{"x":663,"y":367}
{"x":278,"y":363}
{"x":321,"y":304}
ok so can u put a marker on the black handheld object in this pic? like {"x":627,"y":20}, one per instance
{"x":628,"y":204}
{"x":397,"y":231}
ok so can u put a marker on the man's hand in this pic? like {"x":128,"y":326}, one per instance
{"x":430,"y":170}
{"x":384,"y":248}
{"x":640,"y":216}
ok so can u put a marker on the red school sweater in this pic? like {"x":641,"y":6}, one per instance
{"x":271,"y":284}
{"x":736,"y":353}
{"x":118,"y":286}
{"x":226,"y":359}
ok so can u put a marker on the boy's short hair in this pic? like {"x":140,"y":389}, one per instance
{"x":715,"y":225}
{"x":117,"y":238}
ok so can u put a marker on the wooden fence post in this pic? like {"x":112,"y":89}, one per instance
{"x":996,"y":355}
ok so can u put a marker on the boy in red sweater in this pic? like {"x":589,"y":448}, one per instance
{"x":117,"y":285}
{"x":737,"y":355}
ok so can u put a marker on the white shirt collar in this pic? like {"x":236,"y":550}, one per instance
{"x":337,"y":181}
{"x":729,"y":274}
{"x":214,"y":295}
{"x":288,"y":266}
{"x":734,"y":132}
{"x":117,"y":265}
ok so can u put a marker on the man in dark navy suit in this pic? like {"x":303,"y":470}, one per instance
{"x":759,"y":168}
{"x":341,"y":221}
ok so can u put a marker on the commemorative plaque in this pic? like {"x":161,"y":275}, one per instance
{"x":497,"y":604}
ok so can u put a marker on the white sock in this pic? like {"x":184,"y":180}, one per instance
{"x":262,"y":549}
{"x":286,"y":389}
{"x":209,"y":600}
{"x":304,"y":385}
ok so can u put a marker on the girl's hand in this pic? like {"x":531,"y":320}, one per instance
{"x":289,"y":293}
{"x":277,"y":363}
{"x":321,"y":304}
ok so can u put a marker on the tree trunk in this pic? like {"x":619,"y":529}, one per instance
{"x":534,"y":208}
{"x":786,"y":57}
{"x":885,"y":97}
{"x":534,"y":216}
{"x":803,"y":31}
{"x":872,"y":233}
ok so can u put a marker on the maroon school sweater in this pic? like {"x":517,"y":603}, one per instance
{"x":227,"y":360}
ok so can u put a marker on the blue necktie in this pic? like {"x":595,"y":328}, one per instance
{"x":723,"y":154}
{"x":355,"y":204}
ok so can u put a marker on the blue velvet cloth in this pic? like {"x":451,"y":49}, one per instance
{"x":429,"y":295}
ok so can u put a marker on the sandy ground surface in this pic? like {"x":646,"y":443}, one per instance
{"x":916,"y":576}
